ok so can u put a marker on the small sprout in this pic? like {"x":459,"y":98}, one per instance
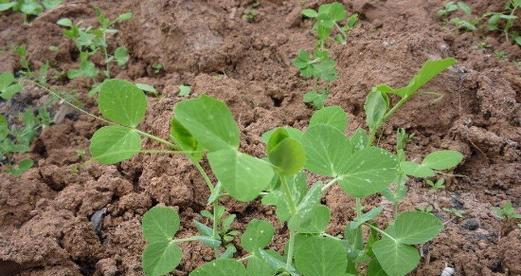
{"x":501,"y":54}
{"x":158,"y":67}
{"x":121,"y":56}
{"x":149,"y":89}
{"x":184,"y":90}
{"x":316,"y":98}
{"x":455,"y":212}
{"x":8,"y":85}
{"x":438,"y":185}
{"x":506,"y":212}
{"x":250,"y":14}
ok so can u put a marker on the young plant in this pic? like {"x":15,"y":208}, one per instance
{"x":505,"y":20}
{"x":359,"y":167}
{"x":90,"y":40}
{"x":468,"y":23}
{"x":8,"y":85}
{"x":29,"y":7}
{"x":317,"y":64}
{"x":506,"y":212}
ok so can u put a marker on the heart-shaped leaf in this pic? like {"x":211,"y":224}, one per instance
{"x":113,"y":144}
{"x":122,"y":102}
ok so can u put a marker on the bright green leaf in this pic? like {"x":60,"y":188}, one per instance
{"x":292,"y":133}
{"x":332,"y":115}
{"x":288,"y":156}
{"x":375,"y":108}
{"x":21,"y":167}
{"x":321,"y":257}
{"x":416,"y":227}
{"x":368,"y":171}
{"x":309,"y":13}
{"x":160,"y":224}
{"x":258,"y":234}
{"x":122,"y":102}
{"x":184,"y":90}
{"x":159,"y":258}
{"x":396,"y":259}
{"x":112,"y":144}
{"x":215,"y":129}
{"x":184,"y":139}
{"x":223,"y":267}
{"x":416,"y":170}
{"x":442,"y":160}
{"x":241,"y":175}
{"x":327,"y":150}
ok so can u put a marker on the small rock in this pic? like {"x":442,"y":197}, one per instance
{"x":96,"y":220}
{"x":471,"y":224}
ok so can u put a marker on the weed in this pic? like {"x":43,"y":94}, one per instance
{"x":504,"y":21}
{"x":158,"y":67}
{"x":438,"y":185}
{"x":184,"y":90}
{"x":506,"y":212}
{"x":29,"y":7}
{"x":353,"y":162}
{"x":467,"y":23}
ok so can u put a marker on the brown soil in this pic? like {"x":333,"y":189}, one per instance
{"x":45,"y":226}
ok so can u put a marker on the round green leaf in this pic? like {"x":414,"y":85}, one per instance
{"x":288,"y":156}
{"x":368,"y":171}
{"x":315,"y":220}
{"x":122,"y":102}
{"x":416,"y":227}
{"x":327,"y":150}
{"x":332,"y":115}
{"x":113,"y":144}
{"x":395,"y":258}
{"x":210,"y":122}
{"x":413,"y":169}
{"x":321,"y":257}
{"x":243,"y":176}
{"x":160,"y":224}
{"x":159,"y":258}
{"x":258,"y":234}
{"x":442,"y":160}
{"x":223,"y":267}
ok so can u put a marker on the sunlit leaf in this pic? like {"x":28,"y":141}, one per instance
{"x":112,"y":144}
{"x":122,"y":102}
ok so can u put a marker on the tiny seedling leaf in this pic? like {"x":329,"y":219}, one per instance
{"x":113,"y":144}
{"x":184,"y":90}
{"x":215,"y":129}
{"x":147,"y":88}
{"x":332,"y":115}
{"x":122,"y":102}
{"x":319,"y":256}
{"x":121,"y":56}
{"x":258,"y":235}
{"x":442,"y":160}
{"x":416,"y":170}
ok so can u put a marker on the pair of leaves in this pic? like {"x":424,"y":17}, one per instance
{"x":161,"y":254}
{"x":438,"y":160}
{"x":123,"y":103}
{"x":214,"y":130}
{"x":8,"y":85}
{"x":318,"y":65}
{"x":394,"y":251}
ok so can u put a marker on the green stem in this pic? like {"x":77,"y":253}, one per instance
{"x":105,"y":52}
{"x":158,"y":139}
{"x":291,"y":246}
{"x":341,"y":31}
{"x":215,"y":227}
{"x":289,"y":196}
{"x":329,"y":184}
{"x":359,"y":207}
{"x":380,"y":231}
{"x":386,"y":117}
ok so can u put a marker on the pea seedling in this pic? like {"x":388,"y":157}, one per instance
{"x":505,"y":20}
{"x":506,"y":212}
{"x":318,"y":64}
{"x":29,"y":7}
{"x":466,"y":23}
{"x":353,"y":162}
{"x":8,"y":85}
{"x":89,"y":41}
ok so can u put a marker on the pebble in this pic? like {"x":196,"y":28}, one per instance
{"x":471,"y":224}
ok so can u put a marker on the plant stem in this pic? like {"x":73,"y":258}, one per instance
{"x":158,"y":139}
{"x":215,"y":227}
{"x":387,"y":115}
{"x":205,"y":176}
{"x":359,"y":207}
{"x":330,"y":183}
{"x":380,"y":231}
{"x":291,"y":246}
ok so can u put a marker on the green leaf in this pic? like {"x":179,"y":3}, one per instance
{"x":160,"y":224}
{"x":396,"y":259}
{"x":314,"y":220}
{"x":147,"y":88}
{"x":416,"y":227}
{"x":215,"y":129}
{"x":223,"y":267}
{"x":292,"y":133}
{"x":243,"y":176}
{"x":159,"y":258}
{"x":416,"y":170}
{"x":464,"y":7}
{"x":374,"y":269}
{"x":10,"y":91}
{"x":112,"y":144}
{"x":6,"y":79}
{"x":429,"y":70}
{"x":287,"y":156}
{"x":359,"y":139}
{"x":124,"y":17}
{"x":51,"y":4}
{"x":332,"y":115}
{"x":22,"y":167}
{"x":122,"y":102}
{"x":121,"y":56}
{"x":258,"y":235}
{"x":442,"y":160}
{"x":375,"y":108}
{"x":87,"y":69}
{"x":368,"y":171}
{"x":258,"y":267}
{"x":327,"y":150}
{"x":4,"y":127}
{"x":6,"y":6}
{"x":184,"y":139}
{"x":321,"y":257}
{"x":373,"y":213}
{"x":184,"y":90}
{"x":309,"y":13}
{"x":317,"y":100}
